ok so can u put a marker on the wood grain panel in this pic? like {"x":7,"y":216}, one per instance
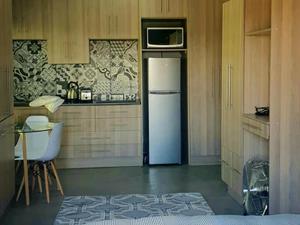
{"x":285,"y":108}
{"x":6,"y":76}
{"x":204,"y":60}
{"x":67,"y":39}
{"x":118,"y":124}
{"x":118,"y":111}
{"x":21,"y":113}
{"x":30,"y":19}
{"x":7,"y":163}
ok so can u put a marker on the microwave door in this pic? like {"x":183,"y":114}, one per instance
{"x":165,"y":37}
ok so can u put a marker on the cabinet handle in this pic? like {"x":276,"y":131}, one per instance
{"x":168,"y":6}
{"x":213,"y":83}
{"x":161,"y":6}
{"x":230,"y":86}
{"x":117,"y":24}
{"x":109,"y":24}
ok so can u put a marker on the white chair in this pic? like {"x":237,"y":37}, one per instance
{"x":44,"y":150}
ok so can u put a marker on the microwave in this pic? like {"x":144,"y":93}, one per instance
{"x":165,"y":37}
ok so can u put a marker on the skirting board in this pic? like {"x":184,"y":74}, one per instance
{"x":98,"y":162}
{"x":204,"y":160}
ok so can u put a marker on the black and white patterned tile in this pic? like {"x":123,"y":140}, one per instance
{"x":113,"y":69}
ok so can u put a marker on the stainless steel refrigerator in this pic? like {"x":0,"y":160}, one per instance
{"x":164,"y":108}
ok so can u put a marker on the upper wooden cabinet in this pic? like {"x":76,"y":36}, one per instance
{"x":67,"y":38}
{"x":163,"y":8}
{"x":29,"y":19}
{"x":6,"y":100}
{"x":112,"y":19}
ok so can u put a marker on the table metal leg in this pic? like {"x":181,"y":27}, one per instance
{"x":25,"y":166}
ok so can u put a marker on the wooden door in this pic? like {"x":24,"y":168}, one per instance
{"x":232,"y":89}
{"x":6,"y":100}
{"x":68,"y":42}
{"x":29,"y":19}
{"x":204,"y":56}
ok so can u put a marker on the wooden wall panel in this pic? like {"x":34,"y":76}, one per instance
{"x":285,"y":108}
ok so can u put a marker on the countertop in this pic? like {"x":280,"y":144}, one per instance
{"x":26,"y":104}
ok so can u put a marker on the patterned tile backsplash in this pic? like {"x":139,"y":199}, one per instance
{"x":113,"y":70}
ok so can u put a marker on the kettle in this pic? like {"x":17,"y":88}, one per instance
{"x":72,"y":93}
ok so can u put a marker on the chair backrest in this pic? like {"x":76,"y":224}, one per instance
{"x":36,"y":143}
{"x":54,"y":143}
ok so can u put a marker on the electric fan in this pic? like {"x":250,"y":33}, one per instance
{"x":256,"y":187}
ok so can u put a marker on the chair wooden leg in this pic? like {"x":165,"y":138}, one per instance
{"x":49,"y":179}
{"x":57,"y":178}
{"x":46,"y":183}
{"x":33,"y":183}
{"x":39,"y":179}
{"x":20,"y":189}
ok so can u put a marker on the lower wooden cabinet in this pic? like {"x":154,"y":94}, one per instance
{"x":7,"y":170}
{"x":96,"y":136}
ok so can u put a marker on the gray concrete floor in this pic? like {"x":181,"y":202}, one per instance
{"x":135,"y":180}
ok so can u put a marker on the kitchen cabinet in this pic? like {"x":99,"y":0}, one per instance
{"x":67,"y":33}
{"x":163,"y":8}
{"x":96,"y":136}
{"x":7,"y":162}
{"x":6,"y":100}
{"x":29,"y":19}
{"x":112,"y":19}
{"x":232,"y":92}
{"x":204,"y":70}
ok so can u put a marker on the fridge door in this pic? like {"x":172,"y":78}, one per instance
{"x":164,"y":74}
{"x":164,"y":129}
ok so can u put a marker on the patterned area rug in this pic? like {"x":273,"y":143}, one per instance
{"x":79,"y":210}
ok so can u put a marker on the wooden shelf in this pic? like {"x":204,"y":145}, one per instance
{"x":258,"y":125}
{"x":262,"y":32}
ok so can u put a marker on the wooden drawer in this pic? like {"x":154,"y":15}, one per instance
{"x":99,"y":151}
{"x":256,"y":127}
{"x":118,"y":111}
{"x":79,"y":125}
{"x":118,"y":124}
{"x":74,"y":112}
{"x":119,"y":137}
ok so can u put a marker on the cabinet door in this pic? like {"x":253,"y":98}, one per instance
{"x":232,"y":89}
{"x":204,"y":60}
{"x":151,"y":9}
{"x":98,"y":16}
{"x":125,"y":20}
{"x":112,"y":19}
{"x":175,"y":8}
{"x":5,"y":59}
{"x":68,"y":42}
{"x":29,"y":19}
{"x":163,"y":8}
{"x":7,"y":176}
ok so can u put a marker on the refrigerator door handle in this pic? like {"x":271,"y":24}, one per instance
{"x":163,"y":92}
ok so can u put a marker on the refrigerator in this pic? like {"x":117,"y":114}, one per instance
{"x":164,"y":110}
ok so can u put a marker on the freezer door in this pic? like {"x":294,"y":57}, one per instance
{"x":164,"y":74}
{"x":164,"y":129}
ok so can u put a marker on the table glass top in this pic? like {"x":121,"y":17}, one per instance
{"x":33,"y":127}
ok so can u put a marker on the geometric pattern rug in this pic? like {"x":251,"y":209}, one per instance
{"x":79,"y":210}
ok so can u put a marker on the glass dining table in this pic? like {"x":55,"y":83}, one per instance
{"x":22,"y":130}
